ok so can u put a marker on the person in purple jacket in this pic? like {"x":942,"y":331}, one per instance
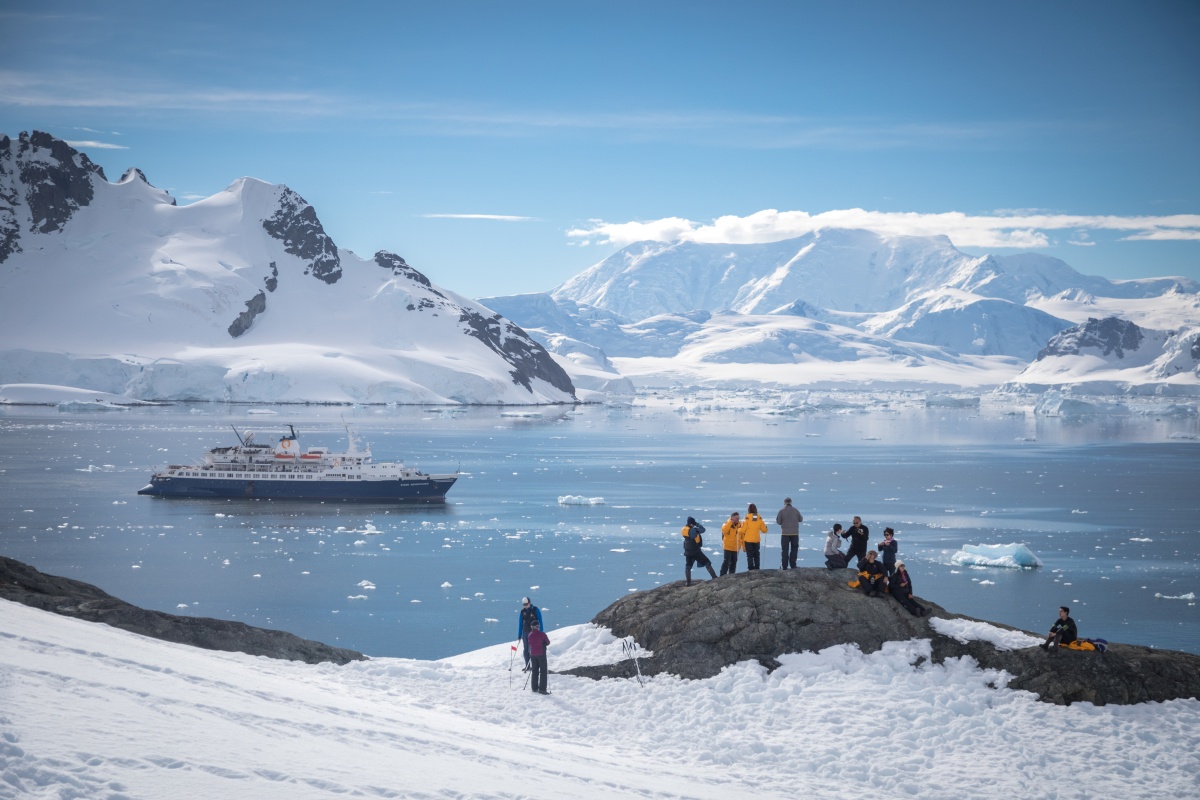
{"x":537,"y":653}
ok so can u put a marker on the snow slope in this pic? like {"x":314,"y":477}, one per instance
{"x":241,"y":296}
{"x":88,"y":711}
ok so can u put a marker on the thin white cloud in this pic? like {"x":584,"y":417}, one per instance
{"x":719,"y":127}
{"x":1021,"y":230}
{"x":496,"y":217}
{"x":96,"y":145}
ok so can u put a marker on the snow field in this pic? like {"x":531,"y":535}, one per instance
{"x":90,"y":711}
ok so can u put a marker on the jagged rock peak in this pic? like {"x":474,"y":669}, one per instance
{"x":1109,"y":335}
{"x":295,"y":224}
{"x":398,"y":266}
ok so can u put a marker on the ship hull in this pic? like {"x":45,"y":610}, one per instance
{"x":428,"y":489}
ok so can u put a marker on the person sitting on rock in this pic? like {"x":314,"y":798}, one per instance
{"x":753,"y":527}
{"x":901,"y":587}
{"x":1063,"y":631}
{"x":693,"y":549}
{"x":859,"y":536}
{"x":887,"y":548}
{"x":871,"y":578}
{"x":834,"y":557}
{"x":731,"y":541}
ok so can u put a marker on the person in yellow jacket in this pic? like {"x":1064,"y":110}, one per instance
{"x":731,"y":541}
{"x":753,"y":527}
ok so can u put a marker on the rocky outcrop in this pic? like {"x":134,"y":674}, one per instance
{"x":295,"y":224}
{"x":254,"y":306}
{"x":49,"y":177}
{"x":1109,"y":336}
{"x":696,"y":631}
{"x":528,"y":358}
{"x":23,"y":584}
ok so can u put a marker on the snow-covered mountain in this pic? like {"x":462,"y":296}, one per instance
{"x":1114,"y":356}
{"x":241,"y":296}
{"x":840,"y":270}
{"x":912,"y":310}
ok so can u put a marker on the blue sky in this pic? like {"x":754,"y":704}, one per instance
{"x":504,"y":147}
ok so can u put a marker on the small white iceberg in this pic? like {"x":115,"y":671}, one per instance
{"x":1009,"y":556}
{"x":578,"y":500}
{"x":1188,"y":596}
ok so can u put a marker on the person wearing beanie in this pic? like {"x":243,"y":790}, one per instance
{"x":693,"y":549}
{"x":528,"y":615}
{"x":537,"y":650}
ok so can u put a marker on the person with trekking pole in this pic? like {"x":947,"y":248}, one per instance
{"x":529,"y":614}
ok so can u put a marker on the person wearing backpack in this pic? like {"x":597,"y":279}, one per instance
{"x":753,"y":527}
{"x":693,"y":549}
{"x":537,"y":648}
{"x":528,"y":615}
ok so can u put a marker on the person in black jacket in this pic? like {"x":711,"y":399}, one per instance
{"x":901,"y":587}
{"x":871,"y":576}
{"x":1063,"y":631}
{"x":693,"y":549}
{"x":859,"y":536}
{"x":887,"y":548}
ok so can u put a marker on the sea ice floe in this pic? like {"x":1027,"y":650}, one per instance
{"x":578,"y":500}
{"x":1011,"y":556}
{"x":1188,"y":596}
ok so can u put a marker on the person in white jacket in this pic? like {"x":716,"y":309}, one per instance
{"x":834,"y":557}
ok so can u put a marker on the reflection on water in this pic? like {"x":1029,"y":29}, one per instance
{"x":1109,"y":506}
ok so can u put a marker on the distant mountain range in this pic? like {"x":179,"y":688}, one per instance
{"x":242,"y":296}
{"x":839,"y":308}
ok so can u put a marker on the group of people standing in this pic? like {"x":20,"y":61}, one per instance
{"x":744,"y":534}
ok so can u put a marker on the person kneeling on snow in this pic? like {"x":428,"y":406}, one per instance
{"x":871,"y":576}
{"x":1063,"y":631}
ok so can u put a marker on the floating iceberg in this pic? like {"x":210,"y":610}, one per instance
{"x":1188,"y":596}
{"x":577,"y":500}
{"x":1011,"y":556}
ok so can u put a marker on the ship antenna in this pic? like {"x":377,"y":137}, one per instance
{"x":235,"y":433}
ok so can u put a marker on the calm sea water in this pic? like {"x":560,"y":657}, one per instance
{"x":1109,"y":505}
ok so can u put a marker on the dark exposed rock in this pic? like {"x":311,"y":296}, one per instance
{"x":398,"y":266}
{"x":1108,"y":335}
{"x":254,"y":306}
{"x":23,"y":584}
{"x":57,"y":180}
{"x":295,"y":224}
{"x":272,"y":281}
{"x":696,"y":631}
{"x":529,"y":359}
{"x":52,"y":178}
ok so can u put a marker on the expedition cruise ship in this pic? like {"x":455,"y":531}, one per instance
{"x":282,"y":472}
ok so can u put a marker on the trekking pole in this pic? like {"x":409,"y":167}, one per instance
{"x":630,"y":648}
{"x":511,"y":655}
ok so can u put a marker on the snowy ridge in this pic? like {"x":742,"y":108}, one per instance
{"x":154,"y":719}
{"x":848,"y":307}
{"x":241,"y":296}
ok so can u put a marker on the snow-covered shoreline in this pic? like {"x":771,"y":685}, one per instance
{"x":91,"y":711}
